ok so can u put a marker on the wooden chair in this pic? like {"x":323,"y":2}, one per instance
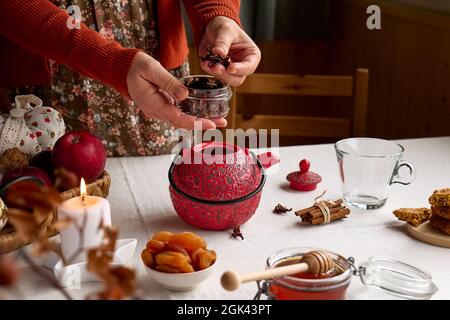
{"x":280,"y":84}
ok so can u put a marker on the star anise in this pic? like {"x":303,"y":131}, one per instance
{"x":237,"y":233}
{"x":279,"y":209}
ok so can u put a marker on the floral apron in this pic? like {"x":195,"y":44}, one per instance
{"x":86,"y":104}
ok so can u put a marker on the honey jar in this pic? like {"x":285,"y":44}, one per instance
{"x":306,"y":286}
{"x":392,"y":276}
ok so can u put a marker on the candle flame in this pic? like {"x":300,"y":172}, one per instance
{"x":83,"y":191}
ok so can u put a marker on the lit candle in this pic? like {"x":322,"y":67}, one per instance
{"x":88,"y":214}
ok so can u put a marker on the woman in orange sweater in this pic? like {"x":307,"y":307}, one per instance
{"x":37,"y":42}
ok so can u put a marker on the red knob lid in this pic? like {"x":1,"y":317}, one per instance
{"x":304,"y":180}
{"x":304,"y":165}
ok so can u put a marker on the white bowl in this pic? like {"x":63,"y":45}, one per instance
{"x":180,"y":281}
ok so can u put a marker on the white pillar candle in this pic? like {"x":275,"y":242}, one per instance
{"x":88,"y":215}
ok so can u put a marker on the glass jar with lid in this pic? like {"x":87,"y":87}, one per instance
{"x":208,"y":97}
{"x":392,"y":276}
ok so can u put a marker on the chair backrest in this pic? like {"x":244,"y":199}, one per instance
{"x":282,"y":84}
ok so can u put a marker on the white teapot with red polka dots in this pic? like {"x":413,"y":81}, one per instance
{"x":30,"y":126}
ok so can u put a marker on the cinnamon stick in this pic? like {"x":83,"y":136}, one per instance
{"x":317,"y":210}
{"x":318,"y":213}
{"x":314,"y":208}
{"x":314,"y":214}
{"x":334,"y":216}
{"x":302,"y":212}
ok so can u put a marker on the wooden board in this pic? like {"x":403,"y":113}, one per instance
{"x":425,"y":233}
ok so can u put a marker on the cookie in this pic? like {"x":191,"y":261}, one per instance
{"x":414,"y":217}
{"x":443,"y":212}
{"x":439,"y":223}
{"x":440,"y":198}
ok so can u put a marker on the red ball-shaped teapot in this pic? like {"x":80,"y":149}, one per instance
{"x":217,"y":185}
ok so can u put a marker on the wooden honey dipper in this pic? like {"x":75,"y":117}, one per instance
{"x":313,"y":262}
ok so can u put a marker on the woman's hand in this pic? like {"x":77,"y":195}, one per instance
{"x":146,"y":79}
{"x":226,"y":38}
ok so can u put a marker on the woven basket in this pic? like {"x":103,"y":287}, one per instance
{"x":9,"y":240}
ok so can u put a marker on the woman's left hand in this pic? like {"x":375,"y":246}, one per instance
{"x":226,"y":38}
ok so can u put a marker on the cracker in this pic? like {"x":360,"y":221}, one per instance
{"x":440,"y":198}
{"x":414,"y":216}
{"x":441,"y":224}
{"x":443,"y":212}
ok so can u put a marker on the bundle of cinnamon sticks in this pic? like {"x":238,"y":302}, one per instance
{"x":315,"y":215}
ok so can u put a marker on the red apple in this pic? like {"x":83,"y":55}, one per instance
{"x":27,"y":171}
{"x":81,"y":153}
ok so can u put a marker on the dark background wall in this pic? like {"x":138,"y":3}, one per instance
{"x":283,"y":19}
{"x":408,"y":59}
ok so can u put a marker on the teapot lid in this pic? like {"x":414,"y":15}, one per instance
{"x":216,"y":171}
{"x":304,"y":180}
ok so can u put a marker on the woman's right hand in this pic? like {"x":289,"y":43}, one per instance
{"x":146,"y":78}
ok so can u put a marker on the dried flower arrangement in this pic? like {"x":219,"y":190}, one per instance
{"x":29,"y":205}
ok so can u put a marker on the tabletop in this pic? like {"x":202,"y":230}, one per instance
{"x":141,"y":206}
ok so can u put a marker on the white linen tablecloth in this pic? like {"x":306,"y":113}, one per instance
{"x":141,"y":206}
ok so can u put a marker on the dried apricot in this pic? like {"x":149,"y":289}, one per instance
{"x":206,"y":259}
{"x":195,"y":258}
{"x":168,"y":269}
{"x":155,"y":246}
{"x":147,"y":258}
{"x":163,"y":236}
{"x":187,"y":267}
{"x":188,"y":240}
{"x":177,"y":248}
{"x":202,"y":258}
{"x":175,"y":260}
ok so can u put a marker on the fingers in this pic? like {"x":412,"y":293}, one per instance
{"x":244,"y":62}
{"x":220,"y":122}
{"x":150,"y":100}
{"x":222,"y":74}
{"x":179,"y":119}
{"x":156,"y":74}
{"x":244,"y":68}
{"x":152,"y":87}
{"x":157,"y":106}
{"x":223,"y":41}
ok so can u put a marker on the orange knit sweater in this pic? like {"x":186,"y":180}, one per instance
{"x":33,"y":31}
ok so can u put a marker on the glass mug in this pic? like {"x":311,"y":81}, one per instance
{"x":367,"y":168}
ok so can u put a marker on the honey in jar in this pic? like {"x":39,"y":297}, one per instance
{"x":309,"y":286}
